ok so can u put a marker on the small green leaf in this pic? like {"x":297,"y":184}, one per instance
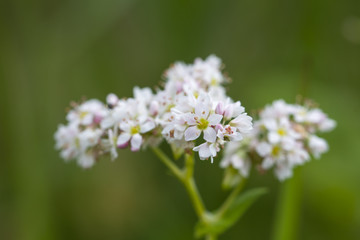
{"x":218,"y":224}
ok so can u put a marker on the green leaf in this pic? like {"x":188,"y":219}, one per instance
{"x":218,"y":224}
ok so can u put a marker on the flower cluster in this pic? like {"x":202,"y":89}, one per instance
{"x":191,"y":112}
{"x":79,"y":139}
{"x":283,"y":137}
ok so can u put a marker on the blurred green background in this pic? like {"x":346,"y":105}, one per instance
{"x":53,"y":52}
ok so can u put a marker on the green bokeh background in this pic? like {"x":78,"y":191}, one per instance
{"x":53,"y":52}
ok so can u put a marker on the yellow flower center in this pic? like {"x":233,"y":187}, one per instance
{"x":275,"y":151}
{"x":82,"y":114}
{"x":213,"y":82}
{"x":281,"y":132}
{"x":203,"y":124}
{"x":134,"y":130}
{"x":196,"y":94}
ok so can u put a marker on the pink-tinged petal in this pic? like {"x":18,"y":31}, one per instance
{"x":192,"y":133}
{"x":148,"y":126}
{"x":210,"y":134}
{"x":136,"y":142}
{"x":229,"y":111}
{"x":219,"y":108}
{"x":122,"y":146}
{"x":123,"y":139}
{"x":201,"y":110}
{"x":214,"y":119}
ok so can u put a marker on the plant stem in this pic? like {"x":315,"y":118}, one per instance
{"x":231,"y":198}
{"x":210,"y":237}
{"x":167,"y":161}
{"x":288,"y":208}
{"x":185,"y":176}
{"x":191,"y":187}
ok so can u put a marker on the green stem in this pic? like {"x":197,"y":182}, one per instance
{"x":210,"y":237}
{"x":191,"y":187}
{"x":167,"y":161}
{"x":186,"y":177}
{"x":288,"y":209}
{"x":230,"y":199}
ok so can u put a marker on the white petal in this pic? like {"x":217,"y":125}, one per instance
{"x":270,"y":124}
{"x":136,"y":141}
{"x":212,"y":150}
{"x":189,"y":118}
{"x":150,"y":125}
{"x":86,"y":160}
{"x":209,"y":134}
{"x":214,"y":119}
{"x":273,"y":137}
{"x":283,"y":172}
{"x":123,"y":138}
{"x":267,"y":163}
{"x":107,"y":122}
{"x":204,"y":151}
{"x":192,"y":133}
{"x":201,"y":110}
{"x":125,"y":126}
{"x":263,"y":149}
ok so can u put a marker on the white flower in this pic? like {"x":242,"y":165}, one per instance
{"x":228,"y":133}
{"x":86,"y":160}
{"x":236,"y":158}
{"x":281,"y":132}
{"x":131,"y":131}
{"x":87,"y":113}
{"x":243,"y":123}
{"x":283,"y":137}
{"x":89,"y":138}
{"x":207,"y":150}
{"x":202,"y":121}
{"x":112,"y":100}
{"x":317,"y":146}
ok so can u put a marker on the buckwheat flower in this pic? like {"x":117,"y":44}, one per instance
{"x":236,"y":158}
{"x":114,"y":116}
{"x":202,"y":121}
{"x":283,"y":138}
{"x":66,"y":141}
{"x":87,"y":113}
{"x":112,"y":100}
{"x":131,"y":132}
{"x":207,"y":150}
{"x":281,"y":131}
{"x":317,"y":146}
{"x":228,"y":133}
{"x":86,"y":159}
{"x":208,"y":70}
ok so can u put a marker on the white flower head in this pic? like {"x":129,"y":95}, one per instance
{"x":283,"y":137}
